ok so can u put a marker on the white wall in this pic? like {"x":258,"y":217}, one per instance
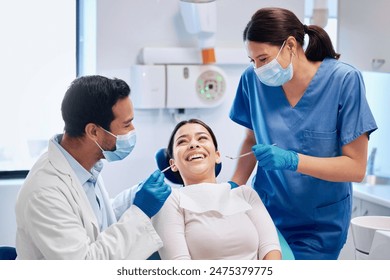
{"x":124,"y":27}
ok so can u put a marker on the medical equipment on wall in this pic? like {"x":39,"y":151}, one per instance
{"x":177,"y":86}
{"x":185,"y":78}
{"x":320,"y":13}
{"x":200,"y":18}
{"x":371,"y":237}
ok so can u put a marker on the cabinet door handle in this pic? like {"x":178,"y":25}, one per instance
{"x":377,"y":63}
{"x":365,"y":213}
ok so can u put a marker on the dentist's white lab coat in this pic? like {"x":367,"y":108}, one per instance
{"x":55,"y":220}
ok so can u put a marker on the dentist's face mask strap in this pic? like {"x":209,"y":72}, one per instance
{"x":124,"y":146}
{"x":272,"y":74}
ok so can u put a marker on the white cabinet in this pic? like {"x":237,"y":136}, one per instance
{"x":367,"y":201}
{"x":361,"y":207}
{"x":364,"y":34}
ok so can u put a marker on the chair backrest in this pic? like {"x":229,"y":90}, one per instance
{"x":287,"y":253}
{"x":7,"y":253}
{"x":162,"y":160}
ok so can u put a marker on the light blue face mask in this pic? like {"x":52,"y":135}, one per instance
{"x":124,"y":145}
{"x":272,"y":74}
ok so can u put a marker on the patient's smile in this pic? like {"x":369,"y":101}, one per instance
{"x":195,"y":157}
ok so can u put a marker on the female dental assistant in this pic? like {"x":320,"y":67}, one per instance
{"x":313,"y":107}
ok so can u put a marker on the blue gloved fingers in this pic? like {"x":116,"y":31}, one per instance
{"x":155,"y":177}
{"x":263,"y":154}
{"x":165,"y":191}
{"x":159,"y":189}
{"x":266,"y":162}
{"x":260,"y":149}
{"x":151,"y":197}
{"x":160,"y":195}
{"x":271,"y":157}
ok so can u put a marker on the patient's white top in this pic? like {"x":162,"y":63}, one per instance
{"x":213,"y":221}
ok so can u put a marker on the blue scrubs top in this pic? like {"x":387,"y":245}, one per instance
{"x":312,"y":214}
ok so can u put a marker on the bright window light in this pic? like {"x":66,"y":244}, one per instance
{"x":37,"y":64}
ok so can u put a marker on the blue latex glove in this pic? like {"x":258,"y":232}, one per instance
{"x":152,"y":194}
{"x":233,"y":184}
{"x":271,"y":157}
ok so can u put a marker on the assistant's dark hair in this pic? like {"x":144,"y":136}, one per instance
{"x":275,"y":25}
{"x":169,"y":149}
{"x":90,"y":99}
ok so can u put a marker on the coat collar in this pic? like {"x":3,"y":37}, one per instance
{"x":60,"y":163}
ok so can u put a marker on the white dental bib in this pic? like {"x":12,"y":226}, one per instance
{"x":206,"y":197}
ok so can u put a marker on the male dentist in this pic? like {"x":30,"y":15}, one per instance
{"x":63,"y":210}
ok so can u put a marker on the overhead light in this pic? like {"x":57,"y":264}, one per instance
{"x":320,"y":13}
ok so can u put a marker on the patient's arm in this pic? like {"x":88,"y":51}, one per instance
{"x":269,"y":246}
{"x":169,"y":224}
{"x":273,"y":255}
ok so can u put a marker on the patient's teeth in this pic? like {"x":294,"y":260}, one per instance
{"x":195,"y":156}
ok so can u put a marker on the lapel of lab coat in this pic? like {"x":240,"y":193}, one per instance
{"x":67,"y":175}
{"x":106,"y":200}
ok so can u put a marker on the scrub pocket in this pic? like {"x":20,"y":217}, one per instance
{"x":333,"y":223}
{"x":320,"y":144}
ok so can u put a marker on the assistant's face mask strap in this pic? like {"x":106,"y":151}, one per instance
{"x":280,"y":50}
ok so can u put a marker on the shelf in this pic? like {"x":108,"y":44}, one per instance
{"x":224,"y":56}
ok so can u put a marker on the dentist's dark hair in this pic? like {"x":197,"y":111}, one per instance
{"x":275,"y":25}
{"x":90,"y":99}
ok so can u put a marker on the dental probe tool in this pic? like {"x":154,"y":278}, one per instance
{"x":166,"y":169}
{"x":246,"y":154}
{"x":243,"y":155}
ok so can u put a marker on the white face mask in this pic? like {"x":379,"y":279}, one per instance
{"x":124,"y":146}
{"x":272,"y":74}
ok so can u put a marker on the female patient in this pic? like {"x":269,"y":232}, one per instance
{"x":205,"y":219}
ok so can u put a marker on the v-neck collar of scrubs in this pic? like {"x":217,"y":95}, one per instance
{"x":303,"y":101}
{"x":294,"y":115}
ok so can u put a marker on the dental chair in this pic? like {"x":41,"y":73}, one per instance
{"x":163,"y":162}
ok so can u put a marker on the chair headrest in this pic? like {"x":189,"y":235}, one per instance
{"x":163,"y":162}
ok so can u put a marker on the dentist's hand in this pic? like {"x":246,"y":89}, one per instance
{"x":271,"y":157}
{"x":153,"y":193}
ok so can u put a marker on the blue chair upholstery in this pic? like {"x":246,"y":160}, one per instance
{"x":7,"y":253}
{"x":287,"y":253}
{"x":163,"y":162}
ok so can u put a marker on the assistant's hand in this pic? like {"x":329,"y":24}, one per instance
{"x":271,"y":157}
{"x":233,"y":185}
{"x":153,"y":193}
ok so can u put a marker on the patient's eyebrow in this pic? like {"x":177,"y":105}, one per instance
{"x":181,"y":136}
{"x":186,"y":136}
